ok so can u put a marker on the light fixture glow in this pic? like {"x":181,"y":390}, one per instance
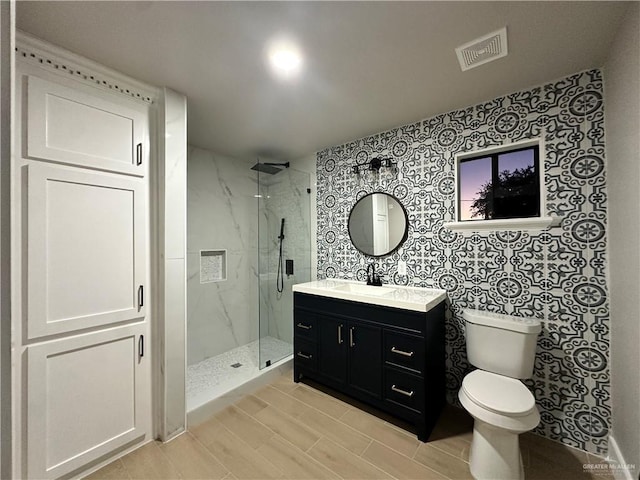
{"x":285,"y":58}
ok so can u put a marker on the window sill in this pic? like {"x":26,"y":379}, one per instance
{"x":538,"y":223}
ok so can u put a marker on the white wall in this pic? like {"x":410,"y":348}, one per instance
{"x":622,"y":123}
{"x":361,"y":225}
{"x":172,"y":263}
{"x":6,"y":87}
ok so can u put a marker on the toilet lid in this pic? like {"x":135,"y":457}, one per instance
{"x":502,"y":395}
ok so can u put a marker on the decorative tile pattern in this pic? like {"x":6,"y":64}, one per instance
{"x":557,"y":275}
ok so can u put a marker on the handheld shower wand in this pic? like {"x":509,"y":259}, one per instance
{"x":280,"y":276}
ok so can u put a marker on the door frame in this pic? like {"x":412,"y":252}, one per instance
{"x":7,"y":69}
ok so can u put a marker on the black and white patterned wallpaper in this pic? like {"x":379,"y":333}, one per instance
{"x":557,"y":275}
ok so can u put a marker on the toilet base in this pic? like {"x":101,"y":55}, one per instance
{"x":495,"y":453}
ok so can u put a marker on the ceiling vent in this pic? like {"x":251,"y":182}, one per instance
{"x":482,"y":50}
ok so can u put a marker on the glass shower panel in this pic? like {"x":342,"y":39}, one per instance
{"x":284,"y":256}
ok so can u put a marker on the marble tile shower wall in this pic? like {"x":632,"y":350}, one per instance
{"x":557,"y":275}
{"x":221,"y":214}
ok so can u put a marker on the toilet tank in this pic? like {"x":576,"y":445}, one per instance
{"x":501,"y":344}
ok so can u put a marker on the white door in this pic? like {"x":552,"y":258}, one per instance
{"x":86,"y":395}
{"x":380,"y":224}
{"x":82,"y":183}
{"x":86,"y":249}
{"x":71,"y":126}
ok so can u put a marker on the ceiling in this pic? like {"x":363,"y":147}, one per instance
{"x":368,"y":66}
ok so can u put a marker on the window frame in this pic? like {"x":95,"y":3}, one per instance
{"x":519,"y":223}
{"x":495,"y":174}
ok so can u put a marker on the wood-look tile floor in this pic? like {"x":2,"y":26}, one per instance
{"x":296,"y":431}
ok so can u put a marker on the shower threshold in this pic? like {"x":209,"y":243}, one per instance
{"x":216,"y":382}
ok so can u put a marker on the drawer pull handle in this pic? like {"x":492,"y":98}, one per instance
{"x":308,"y":357}
{"x":403,"y":392}
{"x":306,"y":327}
{"x":340,"y":341}
{"x":401,"y":352}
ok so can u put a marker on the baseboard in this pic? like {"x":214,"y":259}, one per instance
{"x":617,"y":462}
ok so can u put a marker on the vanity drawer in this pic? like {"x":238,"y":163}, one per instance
{"x":405,"y":351}
{"x":404,"y":389}
{"x":305,"y":325}
{"x":305,"y":354}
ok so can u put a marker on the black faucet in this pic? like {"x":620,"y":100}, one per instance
{"x":372,"y":277}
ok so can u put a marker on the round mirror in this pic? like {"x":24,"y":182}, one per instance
{"x":378,"y":224}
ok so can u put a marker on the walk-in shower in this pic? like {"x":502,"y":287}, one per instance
{"x":283,"y":237}
{"x":271,"y":169}
{"x":244,"y":224}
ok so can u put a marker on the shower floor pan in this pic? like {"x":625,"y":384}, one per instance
{"x":216,"y":382}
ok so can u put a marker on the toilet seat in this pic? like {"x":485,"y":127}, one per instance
{"x":487,"y":400}
{"x":498,"y":394}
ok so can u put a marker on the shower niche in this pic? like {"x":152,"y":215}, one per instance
{"x":213,"y":266}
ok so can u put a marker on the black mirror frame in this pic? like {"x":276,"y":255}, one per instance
{"x":404,"y":235}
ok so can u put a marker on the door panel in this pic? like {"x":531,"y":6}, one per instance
{"x":86,"y":245}
{"x":380,"y":224}
{"x":365,"y":358}
{"x":71,"y":126}
{"x":85,"y":398}
{"x":332,"y":352}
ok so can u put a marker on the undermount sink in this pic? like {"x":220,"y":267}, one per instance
{"x":360,"y":289}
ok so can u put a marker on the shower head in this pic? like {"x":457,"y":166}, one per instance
{"x":270,"y":168}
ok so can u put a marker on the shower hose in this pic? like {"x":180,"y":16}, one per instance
{"x":280,"y":276}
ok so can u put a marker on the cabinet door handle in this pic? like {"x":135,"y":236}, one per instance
{"x":139,"y":154}
{"x":401,"y":352}
{"x":351,"y":342}
{"x":403,"y":392}
{"x":140,"y":296}
{"x":306,"y":327}
{"x":141,"y":346}
{"x":340,"y":341}
{"x":306,"y":357}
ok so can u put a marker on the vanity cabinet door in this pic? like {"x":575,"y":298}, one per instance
{"x":332,"y":351}
{"x":365,"y":358}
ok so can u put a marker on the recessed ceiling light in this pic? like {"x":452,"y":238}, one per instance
{"x":285,"y":58}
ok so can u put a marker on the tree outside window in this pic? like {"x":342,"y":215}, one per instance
{"x":501,"y":185}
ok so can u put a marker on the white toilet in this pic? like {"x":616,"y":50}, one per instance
{"x":503,"y":348}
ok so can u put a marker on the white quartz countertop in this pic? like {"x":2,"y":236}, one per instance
{"x":395,"y":296}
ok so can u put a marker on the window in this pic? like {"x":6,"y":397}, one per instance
{"x":500,"y":185}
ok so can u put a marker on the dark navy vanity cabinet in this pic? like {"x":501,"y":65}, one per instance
{"x":390,"y":358}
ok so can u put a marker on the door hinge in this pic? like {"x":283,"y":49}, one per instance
{"x":139,"y":154}
{"x":141,"y":346}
